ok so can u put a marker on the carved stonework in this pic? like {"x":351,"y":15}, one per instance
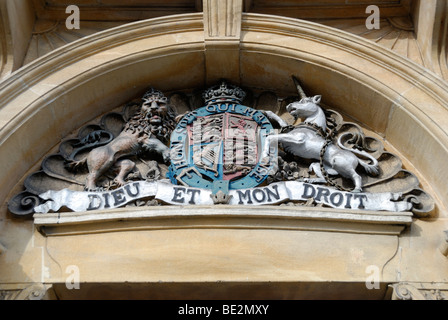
{"x":223,"y":19}
{"x":221,"y":198}
{"x":222,"y":149}
{"x":222,"y":33}
{"x":148,"y":130}
{"x":409,"y":291}
{"x":6,"y":55}
{"x":444,"y":245}
{"x":32,"y":292}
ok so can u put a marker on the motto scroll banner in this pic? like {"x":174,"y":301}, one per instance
{"x":178,"y":195}
{"x":222,"y":150}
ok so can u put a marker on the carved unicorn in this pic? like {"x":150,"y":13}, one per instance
{"x":305,"y":142}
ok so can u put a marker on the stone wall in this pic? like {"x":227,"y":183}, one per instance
{"x":397,"y":100}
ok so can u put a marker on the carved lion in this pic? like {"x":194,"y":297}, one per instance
{"x":148,"y":130}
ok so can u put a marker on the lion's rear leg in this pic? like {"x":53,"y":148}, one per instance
{"x":125,"y":167}
{"x":91,"y":181}
{"x":98,"y":162}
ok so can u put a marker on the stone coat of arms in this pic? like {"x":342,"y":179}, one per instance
{"x":217,"y":147}
{"x":223,"y":150}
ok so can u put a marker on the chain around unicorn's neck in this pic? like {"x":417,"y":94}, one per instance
{"x":318,"y":119}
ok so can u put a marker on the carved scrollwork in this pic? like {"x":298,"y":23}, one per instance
{"x":65,"y":170}
{"x":147,"y":133}
{"x":23,"y":204}
{"x":391,"y":178}
{"x":33,"y":292}
{"x":408,"y":291}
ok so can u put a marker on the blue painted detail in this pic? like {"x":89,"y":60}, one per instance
{"x":220,"y":185}
{"x":183,"y":170}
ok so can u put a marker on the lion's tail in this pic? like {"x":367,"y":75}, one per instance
{"x":74,"y":165}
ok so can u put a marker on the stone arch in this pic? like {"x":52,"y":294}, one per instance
{"x":388,"y":94}
{"x":393,"y":97}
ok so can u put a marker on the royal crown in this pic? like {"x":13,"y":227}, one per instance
{"x":153,"y":94}
{"x":224,"y":93}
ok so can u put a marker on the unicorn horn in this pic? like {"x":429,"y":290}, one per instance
{"x":299,"y":87}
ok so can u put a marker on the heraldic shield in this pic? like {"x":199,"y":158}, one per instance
{"x":218,"y":146}
{"x":224,"y":152}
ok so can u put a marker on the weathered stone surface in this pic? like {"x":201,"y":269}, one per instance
{"x":398,"y":101}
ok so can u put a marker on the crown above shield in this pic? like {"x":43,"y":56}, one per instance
{"x":224,"y":92}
